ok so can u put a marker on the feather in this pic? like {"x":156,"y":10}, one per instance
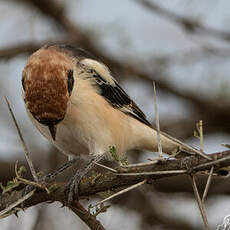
{"x":112,"y":91}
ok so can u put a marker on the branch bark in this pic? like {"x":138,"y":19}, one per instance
{"x":109,"y":181}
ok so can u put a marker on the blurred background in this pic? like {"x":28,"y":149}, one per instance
{"x":183,"y":45}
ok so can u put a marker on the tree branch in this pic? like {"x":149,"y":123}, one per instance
{"x":109,"y":181}
{"x":88,"y":218}
{"x":189,"y":25}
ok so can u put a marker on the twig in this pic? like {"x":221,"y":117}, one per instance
{"x":168,"y":172}
{"x":189,"y":147}
{"x":27,"y":154}
{"x":120,"y":192}
{"x":208,"y":184}
{"x":199,"y":202}
{"x":4,"y":212}
{"x":28,"y":182}
{"x":157,"y":121}
{"x":152,"y":162}
{"x":88,"y":218}
{"x":211,"y":163}
{"x":106,"y":167}
{"x":201,"y":136}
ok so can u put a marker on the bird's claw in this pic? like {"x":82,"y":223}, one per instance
{"x":72,"y":188}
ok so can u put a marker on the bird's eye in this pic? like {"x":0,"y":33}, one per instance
{"x":70,"y":81}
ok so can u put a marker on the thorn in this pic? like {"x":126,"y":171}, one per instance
{"x":157,"y":121}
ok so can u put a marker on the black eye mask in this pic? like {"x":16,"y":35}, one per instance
{"x":70,"y":81}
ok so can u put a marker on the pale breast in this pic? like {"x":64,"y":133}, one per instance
{"x":65,"y":141}
{"x":97,"y":124}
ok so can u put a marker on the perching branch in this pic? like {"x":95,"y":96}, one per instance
{"x":109,"y":181}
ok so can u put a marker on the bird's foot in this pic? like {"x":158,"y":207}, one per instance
{"x":72,"y":187}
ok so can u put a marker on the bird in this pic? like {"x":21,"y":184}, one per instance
{"x":74,"y":101}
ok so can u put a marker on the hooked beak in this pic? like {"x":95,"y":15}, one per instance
{"x":52,"y":129}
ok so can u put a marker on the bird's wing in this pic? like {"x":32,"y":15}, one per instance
{"x":118,"y":98}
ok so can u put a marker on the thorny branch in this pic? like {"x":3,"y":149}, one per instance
{"x":109,"y":181}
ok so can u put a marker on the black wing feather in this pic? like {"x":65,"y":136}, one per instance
{"x":118,"y":98}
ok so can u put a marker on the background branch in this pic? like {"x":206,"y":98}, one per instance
{"x":189,"y":25}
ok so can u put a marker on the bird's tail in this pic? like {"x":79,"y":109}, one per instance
{"x":147,"y":139}
{"x":181,"y":146}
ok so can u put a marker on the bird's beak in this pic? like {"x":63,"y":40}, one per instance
{"x":52,"y":129}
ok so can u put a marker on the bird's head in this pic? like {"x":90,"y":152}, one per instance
{"x":47,"y":82}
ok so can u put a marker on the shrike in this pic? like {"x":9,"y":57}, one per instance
{"x":75,"y":102}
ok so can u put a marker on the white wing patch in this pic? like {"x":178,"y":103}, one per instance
{"x":100,"y":68}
